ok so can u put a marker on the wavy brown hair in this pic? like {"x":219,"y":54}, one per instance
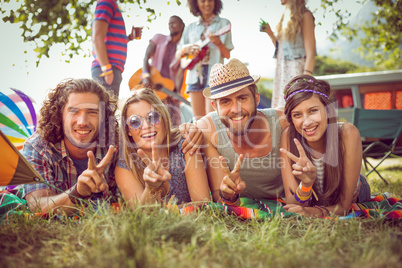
{"x":297,"y":9}
{"x":50,"y":125}
{"x":172,"y":135}
{"x":334,"y":147}
{"x":195,"y":10}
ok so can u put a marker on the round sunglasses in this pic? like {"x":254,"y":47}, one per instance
{"x":135,"y":121}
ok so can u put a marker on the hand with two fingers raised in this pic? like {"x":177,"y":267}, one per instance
{"x":154,"y":173}
{"x":303,"y":168}
{"x":231,"y":184}
{"x":92,"y":179}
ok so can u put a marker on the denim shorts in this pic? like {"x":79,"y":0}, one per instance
{"x":112,"y":89}
{"x":202,"y":83}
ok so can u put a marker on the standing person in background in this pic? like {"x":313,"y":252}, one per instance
{"x":219,"y":48}
{"x":109,"y":42}
{"x":161,"y":50}
{"x":294,"y":46}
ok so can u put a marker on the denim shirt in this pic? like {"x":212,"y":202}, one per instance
{"x":292,"y":50}
{"x":192,"y":34}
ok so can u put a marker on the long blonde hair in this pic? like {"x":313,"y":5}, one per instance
{"x":297,"y":9}
{"x":172,"y":137}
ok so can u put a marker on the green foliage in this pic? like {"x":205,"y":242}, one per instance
{"x":265,"y":86}
{"x":153,"y":237}
{"x":325,"y":65}
{"x":51,"y":22}
{"x":68,"y":22}
{"x":382,"y":39}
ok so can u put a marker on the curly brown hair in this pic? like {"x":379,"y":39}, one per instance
{"x":196,"y":11}
{"x":50,"y":125}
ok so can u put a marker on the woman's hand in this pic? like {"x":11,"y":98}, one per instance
{"x":155,"y":174}
{"x":303,"y":169}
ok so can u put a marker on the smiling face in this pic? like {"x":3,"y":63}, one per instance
{"x":81,"y":120}
{"x":310,"y":120}
{"x":175,"y":26}
{"x":237,"y":111}
{"x":206,"y":7}
{"x":149,"y":131}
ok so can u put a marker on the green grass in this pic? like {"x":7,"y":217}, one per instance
{"x":151,"y":237}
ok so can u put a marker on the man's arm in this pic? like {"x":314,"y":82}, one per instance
{"x":100,"y":28}
{"x":214,"y":169}
{"x":45,"y":201}
{"x":38,"y":196}
{"x":146,"y":69}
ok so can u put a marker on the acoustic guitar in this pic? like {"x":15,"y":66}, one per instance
{"x":163,"y":86}
{"x":189,"y":61}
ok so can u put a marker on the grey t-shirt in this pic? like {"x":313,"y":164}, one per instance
{"x":261,"y":174}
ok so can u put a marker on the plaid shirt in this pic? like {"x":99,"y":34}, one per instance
{"x":56,"y":167}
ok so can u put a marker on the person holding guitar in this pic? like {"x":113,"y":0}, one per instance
{"x":161,"y":51}
{"x":207,"y":41}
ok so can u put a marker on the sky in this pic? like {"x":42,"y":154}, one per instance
{"x":18,"y":68}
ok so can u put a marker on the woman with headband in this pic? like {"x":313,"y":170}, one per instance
{"x":154,"y":168}
{"x":321,"y":157}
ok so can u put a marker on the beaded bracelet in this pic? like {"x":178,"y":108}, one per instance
{"x":322,"y":208}
{"x":156,"y":191}
{"x":229,"y":202}
{"x":302,"y":199}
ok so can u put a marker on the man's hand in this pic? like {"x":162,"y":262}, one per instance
{"x":92,"y":179}
{"x":194,"y":139}
{"x":131,"y":36}
{"x":109,"y":78}
{"x":232,"y":183}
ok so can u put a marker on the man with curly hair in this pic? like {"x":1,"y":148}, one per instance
{"x":72,"y":148}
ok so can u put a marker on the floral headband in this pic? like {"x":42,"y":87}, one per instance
{"x":307,"y":90}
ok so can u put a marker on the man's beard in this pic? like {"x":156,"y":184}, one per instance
{"x":174,"y":33}
{"x":239,"y":131}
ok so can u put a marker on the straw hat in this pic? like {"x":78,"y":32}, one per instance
{"x":228,"y":79}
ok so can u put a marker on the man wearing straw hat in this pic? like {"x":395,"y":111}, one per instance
{"x":242,"y":142}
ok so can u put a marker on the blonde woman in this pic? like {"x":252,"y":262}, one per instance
{"x":295,"y":46}
{"x":154,"y":168}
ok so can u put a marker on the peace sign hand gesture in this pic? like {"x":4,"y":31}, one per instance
{"x":231,"y":184}
{"x":92,"y":179}
{"x":154,"y":174}
{"x":303,"y":168}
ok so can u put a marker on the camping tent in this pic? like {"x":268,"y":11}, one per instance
{"x":14,"y":168}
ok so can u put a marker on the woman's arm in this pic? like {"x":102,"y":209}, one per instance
{"x":196,"y":177}
{"x":270,"y":33}
{"x":309,"y":42}
{"x":130,"y":187}
{"x":289,"y":181}
{"x":352,"y":161}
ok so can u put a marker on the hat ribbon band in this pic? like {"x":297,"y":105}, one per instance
{"x":231,"y":84}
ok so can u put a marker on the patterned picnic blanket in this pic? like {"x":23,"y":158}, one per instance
{"x":382,"y":206}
